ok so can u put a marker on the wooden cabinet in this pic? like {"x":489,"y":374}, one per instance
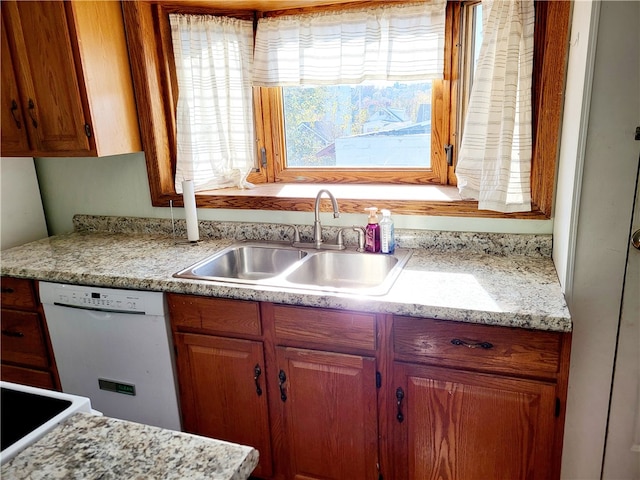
{"x":221,"y":371}
{"x":473,"y":401}
{"x":27,"y":357}
{"x":298,"y":384}
{"x":332,"y":394}
{"x":66,"y":80}
{"x":223,"y":394}
{"x":327,"y":400}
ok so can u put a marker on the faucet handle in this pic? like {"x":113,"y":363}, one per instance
{"x":361,"y":237}
{"x":296,"y":233}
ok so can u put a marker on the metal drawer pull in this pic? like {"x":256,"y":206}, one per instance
{"x":257,"y":371}
{"x":485,"y":345}
{"x":6,"y":290}
{"x":12,"y":333}
{"x":399,"y":397}
{"x":283,"y":378}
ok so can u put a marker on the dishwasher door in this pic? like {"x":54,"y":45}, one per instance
{"x":121,"y":361}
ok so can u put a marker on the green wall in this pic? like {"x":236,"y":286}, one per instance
{"x":118,"y":185}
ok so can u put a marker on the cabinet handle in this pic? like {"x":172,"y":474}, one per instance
{"x":6,"y":290}
{"x":32,"y":107}
{"x":257,"y":371}
{"x":282,"y":377}
{"x":14,"y":107}
{"x":399,"y":398}
{"x":12,"y":333}
{"x":485,"y":345}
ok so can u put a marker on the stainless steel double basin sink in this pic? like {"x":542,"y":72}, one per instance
{"x":278,"y":264}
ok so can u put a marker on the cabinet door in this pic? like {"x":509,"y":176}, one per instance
{"x":222,"y":393}
{"x":329,"y":413}
{"x":46,"y":71}
{"x":14,"y":131}
{"x":449,"y":424}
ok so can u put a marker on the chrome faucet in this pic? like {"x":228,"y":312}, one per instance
{"x":317,"y":227}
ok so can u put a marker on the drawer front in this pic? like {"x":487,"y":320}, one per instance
{"x":27,"y":376}
{"x":326,"y":328}
{"x":23,"y":340}
{"x":214,"y":314}
{"x":499,"y":349}
{"x":17,"y":293}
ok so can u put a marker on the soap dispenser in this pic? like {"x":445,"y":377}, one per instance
{"x":372,"y":231}
{"x":387,"y":236}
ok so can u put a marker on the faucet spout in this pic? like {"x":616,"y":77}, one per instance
{"x":317,"y":227}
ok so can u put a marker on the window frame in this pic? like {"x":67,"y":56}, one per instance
{"x":149,"y":42}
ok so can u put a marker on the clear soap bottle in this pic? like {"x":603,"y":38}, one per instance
{"x":372,"y":231}
{"x":387,"y":238}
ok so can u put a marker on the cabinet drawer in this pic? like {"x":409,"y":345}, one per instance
{"x":17,"y":293}
{"x":456,"y":344}
{"x":215,"y":314}
{"x":27,"y":376}
{"x":23,"y":339}
{"x":329,"y":328}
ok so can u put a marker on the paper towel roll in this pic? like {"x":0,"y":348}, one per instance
{"x":189,"y":199}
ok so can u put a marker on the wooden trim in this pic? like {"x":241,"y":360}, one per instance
{"x":147,"y":78}
{"x":551,"y":51}
{"x":455,"y":56}
{"x":418,"y":201}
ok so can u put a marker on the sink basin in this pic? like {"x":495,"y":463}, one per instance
{"x":247,"y":262}
{"x":344,"y":271}
{"x":280,"y":265}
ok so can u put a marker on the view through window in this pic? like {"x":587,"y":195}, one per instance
{"x":380,"y":124}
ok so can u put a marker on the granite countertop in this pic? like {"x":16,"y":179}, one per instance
{"x":493,"y":279}
{"x":96,"y":447}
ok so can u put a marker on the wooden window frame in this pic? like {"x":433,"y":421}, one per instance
{"x":156,"y":96}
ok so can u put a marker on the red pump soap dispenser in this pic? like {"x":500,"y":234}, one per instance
{"x":372,"y":231}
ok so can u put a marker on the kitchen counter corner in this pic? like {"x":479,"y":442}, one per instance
{"x":90,"y":446}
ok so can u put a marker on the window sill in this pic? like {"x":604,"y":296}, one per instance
{"x":434,"y":200}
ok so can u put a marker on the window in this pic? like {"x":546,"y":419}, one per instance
{"x":372,"y":125}
{"x":280,"y":136}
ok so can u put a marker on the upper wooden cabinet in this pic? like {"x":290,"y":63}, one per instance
{"x":66,"y":80}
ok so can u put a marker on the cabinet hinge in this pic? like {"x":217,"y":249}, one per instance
{"x":378,"y":380}
{"x":87,"y":130}
{"x":557,"y":413}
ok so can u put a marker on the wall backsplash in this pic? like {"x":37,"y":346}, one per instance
{"x":468,"y":242}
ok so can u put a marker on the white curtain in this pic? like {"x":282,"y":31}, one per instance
{"x":215,"y":133}
{"x":494,"y":164}
{"x":388,"y":42}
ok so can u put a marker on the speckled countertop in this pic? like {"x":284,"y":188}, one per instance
{"x":95,"y":447}
{"x":495,"y":279}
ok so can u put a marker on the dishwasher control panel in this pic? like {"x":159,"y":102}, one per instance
{"x":98,"y":298}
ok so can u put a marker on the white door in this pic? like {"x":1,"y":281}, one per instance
{"x":622,"y":449}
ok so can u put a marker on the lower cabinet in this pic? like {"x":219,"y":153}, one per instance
{"x":452,"y":424}
{"x":329,"y":414}
{"x":332,"y":394}
{"x":27,"y":357}
{"x":222,"y":391}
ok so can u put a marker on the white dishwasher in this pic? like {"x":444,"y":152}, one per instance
{"x":114,"y":346}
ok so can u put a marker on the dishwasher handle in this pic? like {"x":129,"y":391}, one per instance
{"x":98,"y":309}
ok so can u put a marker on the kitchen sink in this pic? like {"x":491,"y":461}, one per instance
{"x":281,"y":265}
{"x":246,"y":262}
{"x":344,"y":271}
